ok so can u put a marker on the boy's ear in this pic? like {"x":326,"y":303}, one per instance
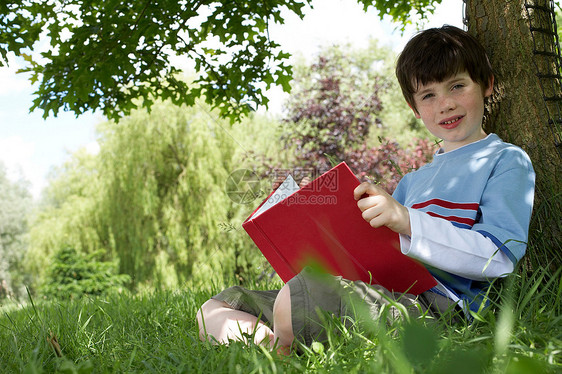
{"x":488,"y":91}
{"x":415,"y":111}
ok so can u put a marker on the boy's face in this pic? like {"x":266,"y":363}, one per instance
{"x":453,"y":109}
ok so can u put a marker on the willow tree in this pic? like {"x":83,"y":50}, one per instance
{"x":153,"y":199}
{"x":163,"y":175}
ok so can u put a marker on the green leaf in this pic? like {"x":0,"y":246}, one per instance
{"x":460,"y":361}
{"x":284,"y":81}
{"x":525,"y":365}
{"x":317,"y":348}
{"x":419,"y":343}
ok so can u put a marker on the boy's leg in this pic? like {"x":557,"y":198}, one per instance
{"x":283,"y":335}
{"x":219,"y":323}
{"x":315,"y":297}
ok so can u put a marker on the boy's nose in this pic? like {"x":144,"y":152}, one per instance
{"x":446,"y":104}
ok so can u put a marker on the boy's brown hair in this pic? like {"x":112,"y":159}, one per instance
{"x":434,"y":55}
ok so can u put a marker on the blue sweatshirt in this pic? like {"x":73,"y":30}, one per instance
{"x":467,"y":207}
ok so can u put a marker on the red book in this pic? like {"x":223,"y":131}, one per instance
{"x":321,"y":224}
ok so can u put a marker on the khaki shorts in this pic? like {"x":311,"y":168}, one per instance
{"x":315,"y":296}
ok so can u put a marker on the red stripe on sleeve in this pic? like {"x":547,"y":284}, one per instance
{"x":447,"y":204}
{"x":466,"y":221}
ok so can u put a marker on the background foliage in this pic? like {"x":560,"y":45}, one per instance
{"x":153,"y":198}
{"x":15,"y":204}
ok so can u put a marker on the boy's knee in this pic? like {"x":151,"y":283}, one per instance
{"x":282,"y":318}
{"x":207,"y":309}
{"x":210,"y":305}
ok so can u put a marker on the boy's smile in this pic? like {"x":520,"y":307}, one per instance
{"x":451,"y":123}
{"x":453,"y":109}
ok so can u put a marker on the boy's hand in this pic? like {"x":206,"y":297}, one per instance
{"x":278,"y":181}
{"x":381,"y":209}
{"x":280,"y":178}
{"x":304,"y":182}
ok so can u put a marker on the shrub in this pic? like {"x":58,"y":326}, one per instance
{"x":73,"y":274}
{"x":388,"y":163}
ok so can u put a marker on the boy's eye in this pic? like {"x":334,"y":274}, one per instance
{"x":427,"y":96}
{"x":457,"y":86}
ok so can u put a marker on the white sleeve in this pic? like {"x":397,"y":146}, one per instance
{"x":462,"y":252}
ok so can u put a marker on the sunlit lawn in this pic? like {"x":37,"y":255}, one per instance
{"x":156,"y":332}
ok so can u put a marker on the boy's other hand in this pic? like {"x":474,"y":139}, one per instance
{"x":278,"y":181}
{"x":280,"y":178}
{"x":381,"y":209}
{"x":304,"y":182}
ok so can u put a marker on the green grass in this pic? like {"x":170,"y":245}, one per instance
{"x":156,"y":332}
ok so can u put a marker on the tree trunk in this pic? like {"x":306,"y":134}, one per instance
{"x":518,"y":112}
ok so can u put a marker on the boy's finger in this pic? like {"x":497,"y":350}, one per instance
{"x":367,"y":202}
{"x":359,"y":191}
{"x":278,"y":181}
{"x":304,"y":182}
{"x":366,"y":188}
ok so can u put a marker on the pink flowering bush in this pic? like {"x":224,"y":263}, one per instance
{"x":386,"y":164}
{"x":329,"y":121}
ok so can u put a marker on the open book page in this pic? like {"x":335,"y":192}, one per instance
{"x":287,"y":188}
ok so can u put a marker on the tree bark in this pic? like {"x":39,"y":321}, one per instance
{"x":517,"y":111}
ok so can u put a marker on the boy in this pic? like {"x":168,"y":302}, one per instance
{"x":465,"y":215}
